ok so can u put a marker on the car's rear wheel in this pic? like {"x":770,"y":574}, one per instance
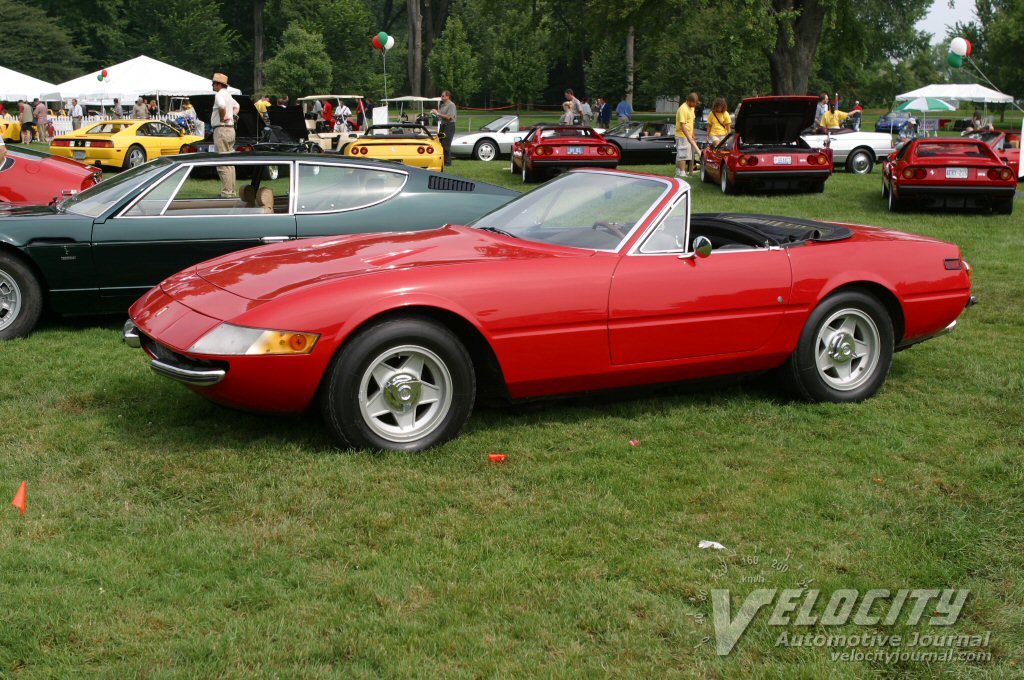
{"x":845,"y":350}
{"x":135,"y":157}
{"x":21,"y":298}
{"x":727,"y":186}
{"x":818,"y":187}
{"x":860,"y":162}
{"x":894,"y":203}
{"x":485,"y":150}
{"x":527,"y":174}
{"x":1003,"y":207}
{"x":704,"y":176}
{"x":885,"y":188}
{"x":406,"y":385}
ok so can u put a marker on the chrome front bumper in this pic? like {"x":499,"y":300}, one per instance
{"x":169,"y":367}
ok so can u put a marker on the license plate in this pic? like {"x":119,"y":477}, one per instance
{"x":575,"y":150}
{"x":79,"y":155}
{"x":783,"y":160}
{"x":956,"y":173}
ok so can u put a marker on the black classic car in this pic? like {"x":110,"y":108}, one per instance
{"x":642,"y":142}
{"x":99,"y":250}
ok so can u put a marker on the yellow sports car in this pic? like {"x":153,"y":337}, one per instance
{"x":11,"y":130}
{"x":122,"y":143}
{"x":408,"y":143}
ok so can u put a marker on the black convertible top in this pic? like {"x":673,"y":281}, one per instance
{"x":782,"y":230}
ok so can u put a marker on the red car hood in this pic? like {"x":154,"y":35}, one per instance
{"x":774,"y":120}
{"x":271,"y":271}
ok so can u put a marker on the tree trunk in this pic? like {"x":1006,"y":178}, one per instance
{"x":790,"y":64}
{"x":630,"y":63}
{"x":257,"y":44}
{"x":415,"y":48}
{"x":428,"y":45}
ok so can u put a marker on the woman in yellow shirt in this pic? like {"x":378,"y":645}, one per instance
{"x":719,"y":122}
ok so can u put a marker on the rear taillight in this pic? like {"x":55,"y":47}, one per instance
{"x":999,"y":174}
{"x":364,"y":150}
{"x":100,"y":144}
{"x":610,"y":150}
{"x":748,"y":161}
{"x":420,"y":150}
{"x":540,"y":151}
{"x":60,"y":142}
{"x":245,"y":148}
{"x":190,"y":148}
{"x":817,"y":159}
{"x":914,"y":173}
{"x":430,"y":149}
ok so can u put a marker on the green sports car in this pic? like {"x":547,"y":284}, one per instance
{"x":101,"y":249}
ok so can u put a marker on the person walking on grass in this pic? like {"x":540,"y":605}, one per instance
{"x":686,"y":146}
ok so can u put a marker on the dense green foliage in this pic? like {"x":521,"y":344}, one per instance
{"x":301,"y":66}
{"x":528,"y":50}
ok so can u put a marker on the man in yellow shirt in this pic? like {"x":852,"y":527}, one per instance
{"x":833,"y":119}
{"x":686,"y":146}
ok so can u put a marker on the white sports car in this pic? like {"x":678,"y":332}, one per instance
{"x":490,"y":141}
{"x":857,"y":151}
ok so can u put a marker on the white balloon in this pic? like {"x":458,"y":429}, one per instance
{"x":958,"y":46}
{"x":391,"y":43}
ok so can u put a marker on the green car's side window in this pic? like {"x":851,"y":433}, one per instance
{"x":334,"y":188}
{"x":155,"y":200}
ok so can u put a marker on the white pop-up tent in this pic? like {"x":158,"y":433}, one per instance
{"x":15,"y":86}
{"x":133,"y":78}
{"x":968,"y":92}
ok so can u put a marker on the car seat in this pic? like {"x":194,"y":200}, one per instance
{"x":265,"y":200}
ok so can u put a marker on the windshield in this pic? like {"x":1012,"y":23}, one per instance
{"x":624,"y":130}
{"x":498,"y":123}
{"x":592,"y":210}
{"x":96,"y":200}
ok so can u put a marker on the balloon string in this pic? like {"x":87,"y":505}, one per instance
{"x":982,"y":74}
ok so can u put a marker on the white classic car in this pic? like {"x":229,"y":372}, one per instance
{"x":488,"y":142}
{"x":857,"y":151}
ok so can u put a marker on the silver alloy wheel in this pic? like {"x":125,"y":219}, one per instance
{"x":486,"y":151}
{"x":860,"y":163}
{"x":405,"y":393}
{"x":10,"y":300}
{"x":703,"y":171}
{"x":725,"y":179}
{"x":136,"y":157}
{"x":526,"y":173}
{"x":847,"y":349}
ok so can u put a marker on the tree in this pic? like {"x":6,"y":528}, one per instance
{"x":453,"y":62}
{"x":520,"y":63}
{"x":28,"y":28}
{"x":202,"y":42}
{"x":301,"y":66}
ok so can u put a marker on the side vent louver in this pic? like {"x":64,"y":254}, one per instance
{"x":449,"y":184}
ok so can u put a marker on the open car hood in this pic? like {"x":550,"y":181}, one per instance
{"x":774,"y":120}
{"x":290,"y":119}
{"x":250,"y":122}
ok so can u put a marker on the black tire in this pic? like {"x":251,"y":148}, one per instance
{"x":818,"y":188}
{"x":860,"y":161}
{"x":727,"y":186}
{"x":512,"y":165}
{"x":397,"y":345}
{"x":21,"y":298}
{"x":528,"y":175}
{"x":132,"y":157}
{"x":486,"y":150}
{"x":885,"y":189}
{"x":895,"y":204}
{"x":705,"y":178}
{"x":826,"y":342}
{"x":1003,"y":206}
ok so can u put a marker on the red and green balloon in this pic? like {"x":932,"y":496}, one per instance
{"x":958,"y":49}
{"x":383,"y":41}
{"x":102,"y":76}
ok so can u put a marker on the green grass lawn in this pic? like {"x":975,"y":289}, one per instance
{"x":168,"y":537}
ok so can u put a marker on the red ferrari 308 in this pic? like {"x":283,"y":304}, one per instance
{"x":765,"y":149}
{"x":598,"y":279}
{"x":550,"y":147}
{"x":948,"y":172}
{"x":1005,"y":144}
{"x":29,"y":177}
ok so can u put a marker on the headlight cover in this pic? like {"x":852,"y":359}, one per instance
{"x":230,"y":340}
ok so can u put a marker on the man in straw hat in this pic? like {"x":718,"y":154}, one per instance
{"x":225,"y":112}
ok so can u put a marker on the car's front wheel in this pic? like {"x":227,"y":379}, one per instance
{"x":485,"y":150}
{"x":21,"y":298}
{"x":845,"y":350}
{"x":406,"y":385}
{"x":860,"y":162}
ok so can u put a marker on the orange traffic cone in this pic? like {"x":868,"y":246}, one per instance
{"x":21,"y":497}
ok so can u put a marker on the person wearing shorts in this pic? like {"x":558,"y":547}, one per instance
{"x":686,"y":145}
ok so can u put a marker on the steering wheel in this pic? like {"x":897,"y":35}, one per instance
{"x":610,"y":227}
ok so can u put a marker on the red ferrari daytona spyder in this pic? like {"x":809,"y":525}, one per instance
{"x":598,"y":279}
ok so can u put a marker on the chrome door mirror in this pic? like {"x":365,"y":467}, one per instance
{"x":517,"y":139}
{"x":702,"y":246}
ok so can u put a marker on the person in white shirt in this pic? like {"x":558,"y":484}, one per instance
{"x":76,"y":114}
{"x":341,"y":117}
{"x":225,"y":110}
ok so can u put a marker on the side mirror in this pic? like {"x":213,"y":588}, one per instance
{"x":517,"y":139}
{"x":441,"y":135}
{"x":702,"y":246}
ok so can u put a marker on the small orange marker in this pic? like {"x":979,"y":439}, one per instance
{"x":496,"y":457}
{"x":21,"y":497}
{"x":634,"y":442}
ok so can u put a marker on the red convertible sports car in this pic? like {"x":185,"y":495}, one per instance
{"x":550,"y":147}
{"x":29,"y":177}
{"x":1005,"y":144}
{"x":948,"y":172}
{"x":765,"y":149}
{"x":598,"y":279}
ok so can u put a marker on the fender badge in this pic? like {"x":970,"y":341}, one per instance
{"x":164,"y":309}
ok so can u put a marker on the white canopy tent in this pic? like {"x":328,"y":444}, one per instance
{"x":15,"y":86}
{"x":133,"y":78}
{"x":971,"y":92}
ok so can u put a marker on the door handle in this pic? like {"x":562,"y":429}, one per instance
{"x":275,"y":239}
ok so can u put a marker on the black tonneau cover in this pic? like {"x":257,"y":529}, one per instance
{"x":780,"y":230}
{"x":250,"y":122}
